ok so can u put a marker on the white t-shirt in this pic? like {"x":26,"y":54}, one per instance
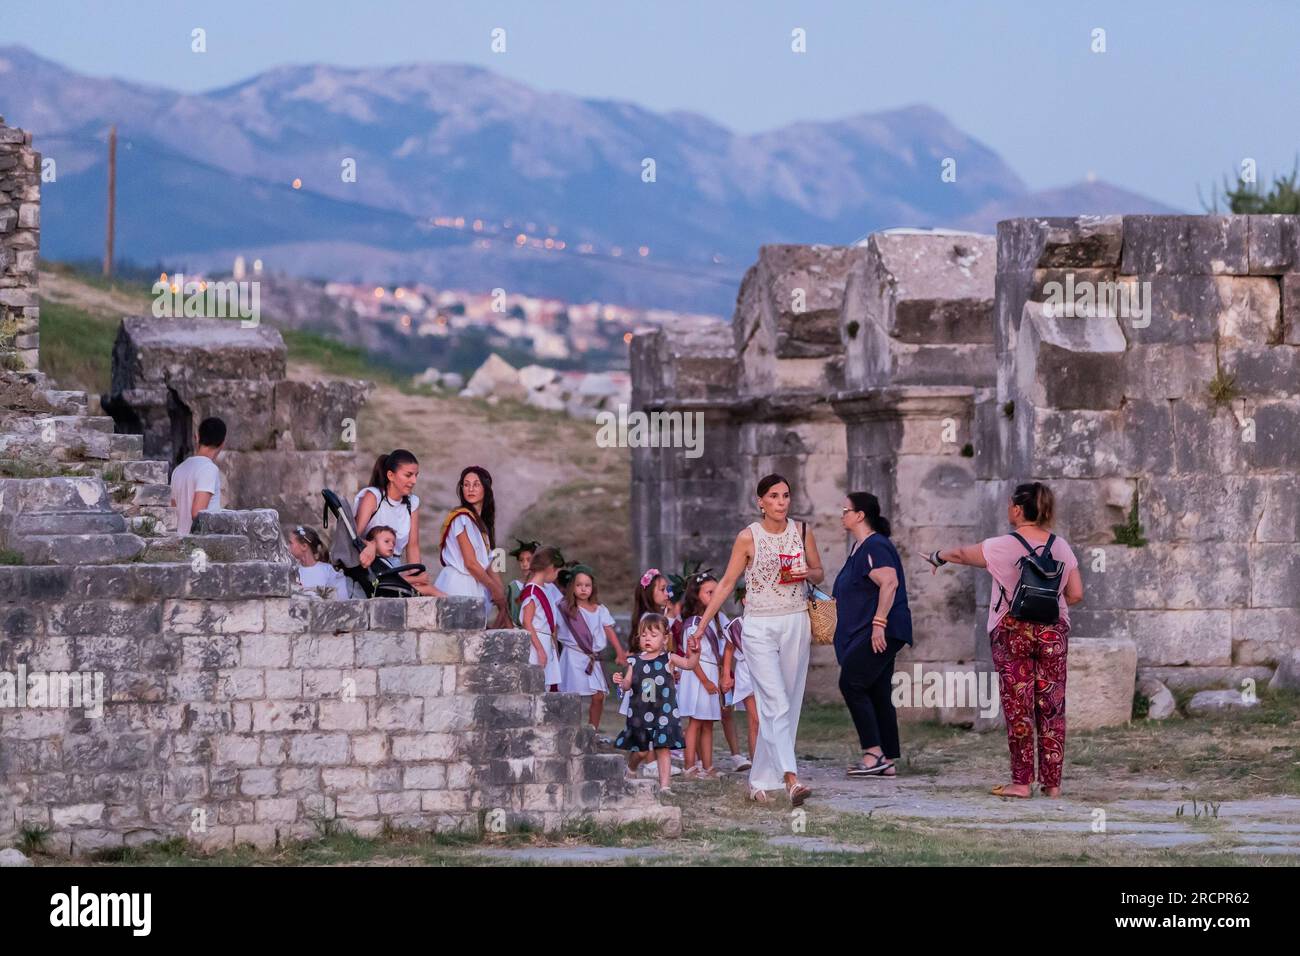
{"x":195,"y":474}
{"x":323,"y":575}
{"x":391,"y":514}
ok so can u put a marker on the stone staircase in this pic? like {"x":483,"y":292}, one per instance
{"x":50,"y":436}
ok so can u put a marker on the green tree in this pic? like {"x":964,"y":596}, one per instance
{"x":1246,"y":198}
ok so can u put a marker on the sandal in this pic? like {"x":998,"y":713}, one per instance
{"x":758,"y":796}
{"x":797,"y":793}
{"x":1000,"y":791}
{"x":877,"y":769}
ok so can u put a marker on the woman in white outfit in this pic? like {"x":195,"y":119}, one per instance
{"x":467,"y":543}
{"x":390,"y":500}
{"x":776,"y":556}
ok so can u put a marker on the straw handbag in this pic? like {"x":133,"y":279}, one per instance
{"x":822,"y":613}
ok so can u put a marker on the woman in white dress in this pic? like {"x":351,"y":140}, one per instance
{"x":389,"y":500}
{"x":468,"y":537}
{"x":776,"y":556}
{"x":586,"y":628}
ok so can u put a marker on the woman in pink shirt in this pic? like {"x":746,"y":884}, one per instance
{"x":1029,"y":655}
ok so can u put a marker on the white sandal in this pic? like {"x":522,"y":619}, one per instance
{"x":758,"y":796}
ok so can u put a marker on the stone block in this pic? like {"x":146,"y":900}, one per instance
{"x":1273,"y":244}
{"x":1059,"y":242}
{"x":1189,"y":245}
{"x":324,"y":651}
{"x":378,"y":648}
{"x":1100,"y":678}
{"x":1184,"y":637}
{"x":261,"y":526}
{"x":277,"y":716}
{"x":1264,"y":636}
{"x":1274,"y":575}
{"x":319,"y":749}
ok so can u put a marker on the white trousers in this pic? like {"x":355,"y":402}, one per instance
{"x":776,"y":649}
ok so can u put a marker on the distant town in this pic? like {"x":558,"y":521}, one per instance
{"x":414,"y":326}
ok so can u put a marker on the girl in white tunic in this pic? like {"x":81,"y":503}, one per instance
{"x":539,"y":616}
{"x":466,"y":546}
{"x":737,"y":685}
{"x":777,"y":556}
{"x":698,"y":691}
{"x":586,"y":629}
{"x":314,"y":569}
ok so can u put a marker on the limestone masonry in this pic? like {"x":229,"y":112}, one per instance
{"x":20,"y":240}
{"x":937,"y":370}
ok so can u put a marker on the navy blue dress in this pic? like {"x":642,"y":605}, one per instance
{"x":857,"y":597}
{"x":653,"y":723}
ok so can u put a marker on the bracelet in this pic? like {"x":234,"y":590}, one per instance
{"x":937,"y":561}
{"x":883,"y":622}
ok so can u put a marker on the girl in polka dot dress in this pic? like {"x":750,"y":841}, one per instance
{"x":653,"y":727}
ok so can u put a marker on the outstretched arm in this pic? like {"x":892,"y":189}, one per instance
{"x":969,"y":554}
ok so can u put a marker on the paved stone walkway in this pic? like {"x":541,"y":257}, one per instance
{"x":1255,"y":826}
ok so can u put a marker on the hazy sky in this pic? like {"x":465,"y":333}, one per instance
{"x":1183,"y":92}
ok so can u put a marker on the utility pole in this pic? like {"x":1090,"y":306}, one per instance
{"x":112,"y":200}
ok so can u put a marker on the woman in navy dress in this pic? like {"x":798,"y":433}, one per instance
{"x":874,"y":624}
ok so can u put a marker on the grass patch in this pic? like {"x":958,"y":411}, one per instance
{"x":588,"y":521}
{"x":339,"y":360}
{"x":76,"y":346}
{"x":11,"y":558}
{"x":1223,"y":388}
{"x":1130,"y":533}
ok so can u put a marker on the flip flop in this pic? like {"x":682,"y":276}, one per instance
{"x":1000,"y":791}
{"x":798,"y":794}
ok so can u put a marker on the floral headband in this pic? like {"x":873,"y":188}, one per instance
{"x":649,"y":576}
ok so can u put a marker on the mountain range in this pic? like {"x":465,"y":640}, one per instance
{"x":206,"y":176}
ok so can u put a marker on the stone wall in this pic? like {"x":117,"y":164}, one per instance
{"x":921,"y":367}
{"x":1184,"y":415}
{"x":20,"y":232}
{"x":242,"y":712}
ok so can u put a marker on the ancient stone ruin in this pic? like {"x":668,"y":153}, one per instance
{"x":156,"y":686}
{"x":287,"y":439}
{"x":20,"y":240}
{"x":933,"y":370}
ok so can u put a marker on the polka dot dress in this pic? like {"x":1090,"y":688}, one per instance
{"x":653,"y":723}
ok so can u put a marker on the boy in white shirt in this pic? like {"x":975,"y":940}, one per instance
{"x":196,"y":482}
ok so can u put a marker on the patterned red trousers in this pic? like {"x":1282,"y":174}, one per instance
{"x":1030,"y":659}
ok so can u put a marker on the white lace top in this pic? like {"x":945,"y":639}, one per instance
{"x":764,"y":595}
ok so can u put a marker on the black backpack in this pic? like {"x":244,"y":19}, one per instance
{"x":1035,"y":597}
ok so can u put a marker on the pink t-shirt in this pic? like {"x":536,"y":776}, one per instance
{"x":1002,"y":554}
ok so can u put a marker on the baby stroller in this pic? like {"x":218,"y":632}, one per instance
{"x":384,"y":577}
